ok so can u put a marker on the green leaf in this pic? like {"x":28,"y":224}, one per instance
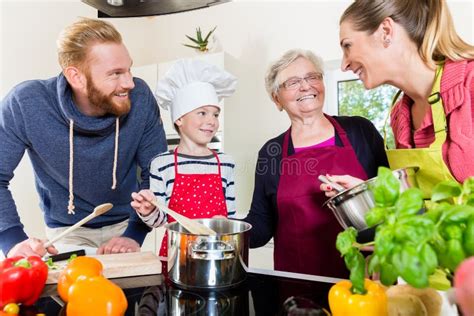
{"x":198,"y":34}
{"x":375,"y":216}
{"x":414,"y":271}
{"x":345,"y":240}
{"x":455,"y":254}
{"x":429,"y":257}
{"x":439,"y":281}
{"x":194,"y":40}
{"x":468,"y":186}
{"x":388,"y":274}
{"x":445,"y":190}
{"x":470,"y":199}
{"x":356,"y":261}
{"x":396,"y":259}
{"x":196,"y":47}
{"x":374,"y":264}
{"x":209,"y":34}
{"x":468,"y":240}
{"x":458,"y":213}
{"x":451,"y":231}
{"x":384,"y":242}
{"x":386,"y":188}
{"x":433,"y":214}
{"x":410,"y":202}
{"x":414,"y":234}
{"x":415,"y":229}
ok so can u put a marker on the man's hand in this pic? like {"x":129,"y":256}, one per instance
{"x":119,"y":245}
{"x":31,"y":247}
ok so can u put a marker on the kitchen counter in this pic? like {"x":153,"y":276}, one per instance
{"x":264,"y":292}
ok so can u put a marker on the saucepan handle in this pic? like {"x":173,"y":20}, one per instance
{"x":336,"y":186}
{"x":211,"y":250}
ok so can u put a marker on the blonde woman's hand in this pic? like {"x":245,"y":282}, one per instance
{"x":344,"y":180}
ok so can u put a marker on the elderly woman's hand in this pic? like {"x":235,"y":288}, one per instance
{"x":345,"y":180}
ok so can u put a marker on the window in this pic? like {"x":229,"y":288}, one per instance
{"x":349,"y":97}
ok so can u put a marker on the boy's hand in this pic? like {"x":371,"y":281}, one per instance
{"x":142,"y":202}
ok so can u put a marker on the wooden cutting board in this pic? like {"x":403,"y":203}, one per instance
{"x":118,"y":265}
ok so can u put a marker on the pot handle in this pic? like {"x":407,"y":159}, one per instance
{"x":211,"y":250}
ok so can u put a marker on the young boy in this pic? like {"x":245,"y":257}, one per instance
{"x":192,"y":179}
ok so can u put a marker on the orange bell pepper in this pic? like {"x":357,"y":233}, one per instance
{"x":343,"y":303}
{"x":96,"y":296}
{"x":80,"y":266}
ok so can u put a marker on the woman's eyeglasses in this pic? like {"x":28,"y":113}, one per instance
{"x":295,"y":82}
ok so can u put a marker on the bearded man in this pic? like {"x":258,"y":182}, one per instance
{"x":87,"y":132}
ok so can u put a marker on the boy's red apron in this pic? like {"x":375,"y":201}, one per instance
{"x":195,"y":196}
{"x":305,"y":238}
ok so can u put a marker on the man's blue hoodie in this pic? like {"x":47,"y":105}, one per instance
{"x":35,"y":117}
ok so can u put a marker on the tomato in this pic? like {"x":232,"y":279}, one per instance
{"x":11,"y":309}
{"x":79,"y":267}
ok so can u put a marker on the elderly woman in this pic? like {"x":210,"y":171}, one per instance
{"x":287,"y":200}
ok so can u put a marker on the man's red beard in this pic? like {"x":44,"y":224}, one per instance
{"x":106,"y":102}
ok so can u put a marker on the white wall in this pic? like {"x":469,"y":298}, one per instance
{"x":252,"y":33}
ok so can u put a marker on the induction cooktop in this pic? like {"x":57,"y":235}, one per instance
{"x":259,"y":294}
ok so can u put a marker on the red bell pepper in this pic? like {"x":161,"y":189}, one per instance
{"x":22,"y":280}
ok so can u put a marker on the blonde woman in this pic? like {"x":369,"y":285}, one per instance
{"x":413,"y":46}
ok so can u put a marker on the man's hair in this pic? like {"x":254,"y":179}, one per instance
{"x":75,"y":41}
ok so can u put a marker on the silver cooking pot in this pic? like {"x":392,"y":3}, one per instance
{"x":350,"y":206}
{"x":198,"y":261}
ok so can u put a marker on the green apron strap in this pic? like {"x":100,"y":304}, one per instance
{"x":437,"y":111}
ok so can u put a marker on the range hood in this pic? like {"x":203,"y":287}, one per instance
{"x":136,"y":8}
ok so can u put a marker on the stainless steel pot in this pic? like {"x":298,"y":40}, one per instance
{"x":196,"y":261}
{"x":350,"y":206}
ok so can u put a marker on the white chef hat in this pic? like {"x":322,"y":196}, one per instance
{"x":192,"y":83}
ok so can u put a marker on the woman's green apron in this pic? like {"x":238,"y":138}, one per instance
{"x":432,"y":168}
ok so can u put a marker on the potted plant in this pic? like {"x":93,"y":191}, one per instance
{"x":200,"y":43}
{"x":425,"y":247}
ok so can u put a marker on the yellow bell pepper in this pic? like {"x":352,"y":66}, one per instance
{"x":343,"y":303}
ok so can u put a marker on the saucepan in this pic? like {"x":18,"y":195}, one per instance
{"x":349,"y":206}
{"x":207,"y":261}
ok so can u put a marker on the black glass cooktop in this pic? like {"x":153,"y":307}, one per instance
{"x":259,"y":294}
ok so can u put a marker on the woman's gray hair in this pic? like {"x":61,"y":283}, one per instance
{"x":272,"y":76}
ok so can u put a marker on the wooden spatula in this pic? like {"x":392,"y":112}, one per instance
{"x":192,"y":226}
{"x":98,"y":210}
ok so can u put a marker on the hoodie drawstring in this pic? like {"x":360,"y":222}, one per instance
{"x":114,"y":169}
{"x":70,"y":206}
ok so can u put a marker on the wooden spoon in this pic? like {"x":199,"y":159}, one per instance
{"x":98,"y":210}
{"x":192,"y":226}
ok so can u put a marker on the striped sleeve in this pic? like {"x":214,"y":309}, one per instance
{"x":158,"y":185}
{"x":228,"y":183}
